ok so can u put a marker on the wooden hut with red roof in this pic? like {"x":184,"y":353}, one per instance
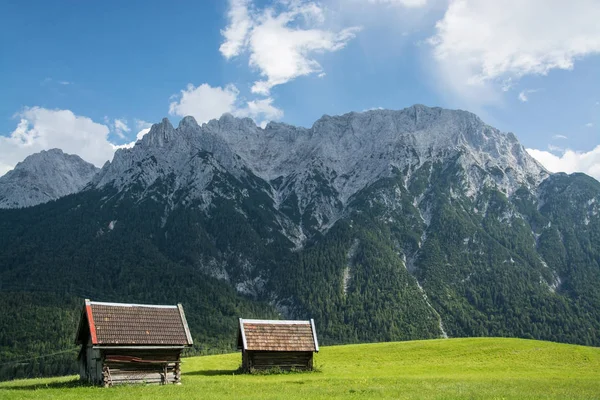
{"x":286,"y":345}
{"x":131,"y":343}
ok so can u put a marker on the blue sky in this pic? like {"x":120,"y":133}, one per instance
{"x":90,"y":76}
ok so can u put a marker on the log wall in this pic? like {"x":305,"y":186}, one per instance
{"x":285,"y":360}
{"x":110,"y":367}
{"x":162,"y":366}
{"x":90,"y":364}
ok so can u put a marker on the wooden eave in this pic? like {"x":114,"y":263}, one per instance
{"x":86,"y":324}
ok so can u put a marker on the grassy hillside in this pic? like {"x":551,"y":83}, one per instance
{"x":435,"y":369}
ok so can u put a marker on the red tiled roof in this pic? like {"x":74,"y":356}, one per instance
{"x":135,"y":324}
{"x":269,"y":335}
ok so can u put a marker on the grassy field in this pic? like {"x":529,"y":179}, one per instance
{"x":485,"y":368}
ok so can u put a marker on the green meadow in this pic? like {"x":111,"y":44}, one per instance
{"x":482,"y":368}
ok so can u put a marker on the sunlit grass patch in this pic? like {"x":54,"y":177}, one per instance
{"x":484,"y":368}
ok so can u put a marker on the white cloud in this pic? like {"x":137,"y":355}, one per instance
{"x":206,"y":102}
{"x":236,"y":33}
{"x":589,"y":125}
{"x":263,"y":108}
{"x":139,"y":136}
{"x":143,"y":128}
{"x":507,"y":84}
{"x":372,"y":109}
{"x":42,"y":129}
{"x":405,"y":3}
{"x":559,"y":137}
{"x":524,"y":94}
{"x":142,"y":133}
{"x":570,"y":161}
{"x":280,"y":44}
{"x":141,"y":124}
{"x":121,"y":127}
{"x":50,"y":81}
{"x":479,"y":44}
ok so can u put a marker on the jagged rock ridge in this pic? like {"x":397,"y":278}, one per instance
{"x":317,"y":170}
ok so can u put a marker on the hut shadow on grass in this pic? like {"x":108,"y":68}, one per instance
{"x":52,"y":385}
{"x":240,"y":371}
{"x":214,"y":372}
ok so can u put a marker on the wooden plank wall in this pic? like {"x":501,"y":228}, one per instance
{"x":115,"y":373}
{"x":285,"y":360}
{"x":159,"y":366}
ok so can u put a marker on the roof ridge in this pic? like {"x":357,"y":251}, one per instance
{"x":275,"y":321}
{"x":104,"y":303}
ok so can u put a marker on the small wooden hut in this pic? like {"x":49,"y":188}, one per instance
{"x":131,"y":343}
{"x":267,"y":344}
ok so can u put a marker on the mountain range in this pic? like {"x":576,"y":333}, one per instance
{"x":381,"y":225}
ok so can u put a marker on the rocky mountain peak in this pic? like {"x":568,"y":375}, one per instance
{"x":188,"y":122}
{"x":159,"y":134}
{"x":44,"y":176}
